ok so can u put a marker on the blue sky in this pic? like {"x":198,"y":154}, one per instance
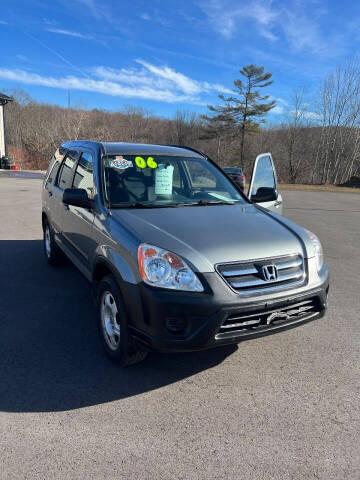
{"x":165,"y":55}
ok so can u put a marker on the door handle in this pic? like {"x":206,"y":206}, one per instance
{"x":50,"y":193}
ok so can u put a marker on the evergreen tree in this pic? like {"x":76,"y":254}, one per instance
{"x":247,"y":108}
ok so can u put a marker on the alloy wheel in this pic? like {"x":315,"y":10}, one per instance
{"x":47,"y":241}
{"x":110,"y":320}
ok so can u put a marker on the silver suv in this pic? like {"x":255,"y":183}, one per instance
{"x":179,"y":258}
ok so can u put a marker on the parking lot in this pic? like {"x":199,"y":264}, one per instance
{"x":284,"y":406}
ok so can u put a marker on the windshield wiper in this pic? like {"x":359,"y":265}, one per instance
{"x":173,"y":205}
{"x":133,"y":205}
{"x":144,"y":205}
{"x":216,"y":202}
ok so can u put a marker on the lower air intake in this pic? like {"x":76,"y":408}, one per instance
{"x":258,"y":319}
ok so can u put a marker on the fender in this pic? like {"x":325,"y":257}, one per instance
{"x":111,"y":259}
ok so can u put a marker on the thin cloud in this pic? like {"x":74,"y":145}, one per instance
{"x":131,"y":76}
{"x":57,"y":54}
{"x":278,"y":110}
{"x":280,"y":100}
{"x":160,"y":77}
{"x":97,"y":9}
{"x":173,"y":53}
{"x":107,"y":87}
{"x":145,"y":81}
{"x":302,"y":33}
{"x":269,"y":35}
{"x":293,"y":21}
{"x":145,"y":16}
{"x":224,"y":15}
{"x":68,"y":33}
{"x":181,"y":81}
{"x":49,"y":21}
{"x":23,"y":58}
{"x":280,"y":107}
{"x":311,"y":115}
{"x":91,"y":85}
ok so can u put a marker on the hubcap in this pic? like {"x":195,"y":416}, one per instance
{"x":47,"y":241}
{"x":110,"y":320}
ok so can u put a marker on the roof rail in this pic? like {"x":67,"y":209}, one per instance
{"x":189,"y":148}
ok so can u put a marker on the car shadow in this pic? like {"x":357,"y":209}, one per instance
{"x":50,"y":355}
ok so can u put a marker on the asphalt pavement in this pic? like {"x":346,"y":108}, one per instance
{"x":285,"y":406}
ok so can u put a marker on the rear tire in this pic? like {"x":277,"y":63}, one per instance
{"x":53,"y":254}
{"x":113,"y":325}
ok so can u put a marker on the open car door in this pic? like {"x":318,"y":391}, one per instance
{"x":263,"y":188}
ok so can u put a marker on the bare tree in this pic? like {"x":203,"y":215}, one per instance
{"x":184,"y":127}
{"x":338,"y":147}
{"x":134,"y":124}
{"x":219,"y":126}
{"x":297,"y":118}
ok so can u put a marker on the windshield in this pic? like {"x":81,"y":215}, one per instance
{"x":164,"y":181}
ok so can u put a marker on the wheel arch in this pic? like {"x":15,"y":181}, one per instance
{"x":100,"y":270}
{"x":103,"y":267}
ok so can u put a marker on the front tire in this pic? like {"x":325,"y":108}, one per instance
{"x":113,"y":325}
{"x":53,"y":254}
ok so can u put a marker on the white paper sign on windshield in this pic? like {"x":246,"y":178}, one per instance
{"x":164,"y":180}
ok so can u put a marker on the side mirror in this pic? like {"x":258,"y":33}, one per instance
{"x":264,"y":194}
{"x":77,"y":197}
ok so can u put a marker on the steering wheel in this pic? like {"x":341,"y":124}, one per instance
{"x":129,"y":179}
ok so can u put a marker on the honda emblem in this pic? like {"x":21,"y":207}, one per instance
{"x":270,"y":273}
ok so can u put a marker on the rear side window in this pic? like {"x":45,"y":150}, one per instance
{"x":66,"y":171}
{"x":84,"y":177}
{"x":53,"y":171}
{"x":54,"y":165}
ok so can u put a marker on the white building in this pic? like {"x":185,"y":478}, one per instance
{"x":4,"y":99}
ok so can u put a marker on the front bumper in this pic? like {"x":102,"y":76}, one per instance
{"x":205,"y":314}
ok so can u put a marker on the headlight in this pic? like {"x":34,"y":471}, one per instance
{"x":161,"y":268}
{"x":319,"y":255}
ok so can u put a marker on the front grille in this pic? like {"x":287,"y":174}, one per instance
{"x":270,"y":316}
{"x":249,"y":276}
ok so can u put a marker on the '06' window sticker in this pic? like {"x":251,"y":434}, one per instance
{"x":142,"y":163}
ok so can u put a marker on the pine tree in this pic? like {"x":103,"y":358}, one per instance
{"x":247,"y":108}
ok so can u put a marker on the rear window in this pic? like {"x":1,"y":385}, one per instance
{"x":233,"y":170}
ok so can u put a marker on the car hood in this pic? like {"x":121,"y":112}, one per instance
{"x":207,"y":235}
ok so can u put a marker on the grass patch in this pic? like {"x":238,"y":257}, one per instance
{"x":318,"y":188}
